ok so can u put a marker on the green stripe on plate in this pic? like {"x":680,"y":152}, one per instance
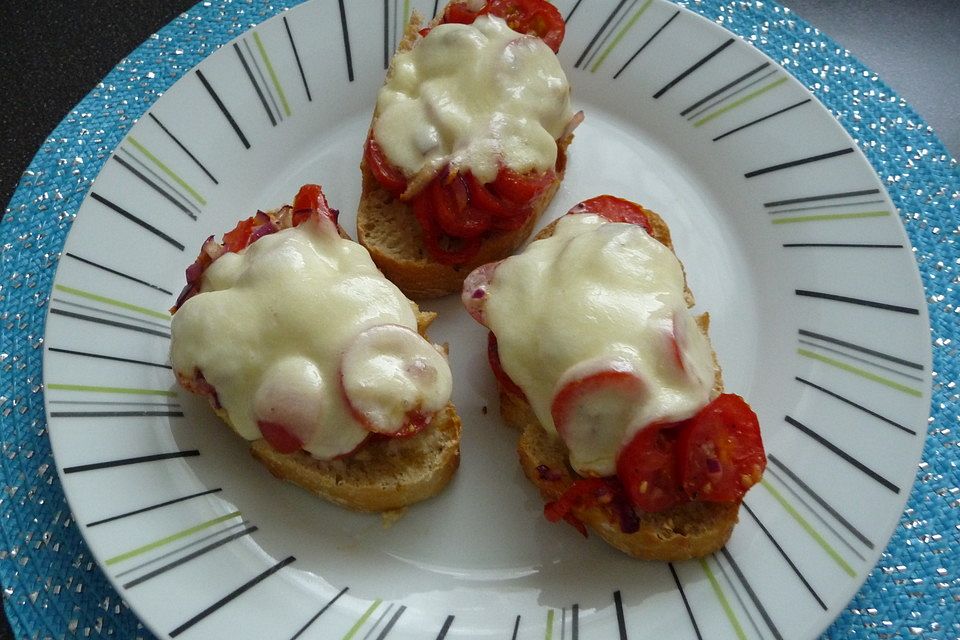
{"x":727,"y":609}
{"x":156,"y":544}
{"x":863,"y":373}
{"x":273,"y":74}
{"x":549,"y":633}
{"x":167,"y":170}
{"x":359,"y":623}
{"x":112,"y":301}
{"x":809,"y":529}
{"x":98,"y":389}
{"x":739,"y":102}
{"x":616,"y":40}
{"x":831,"y":216}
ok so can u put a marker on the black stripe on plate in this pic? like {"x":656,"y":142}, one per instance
{"x":132,"y":218}
{"x":153,"y":185}
{"x":223,"y":109}
{"x":153,"y":506}
{"x":856,"y":347}
{"x":686,"y":603}
{"x":857,"y":301}
{"x":106,"y":357}
{"x":116,"y":314}
{"x":730,"y":84}
{"x":109,"y":323}
{"x":647,"y":42}
{"x":181,"y":145}
{"x":393,"y":621}
{"x":820,"y":501}
{"x":842,"y":454}
{"x":116,"y":414}
{"x":829,"y":205}
{"x":608,"y":34}
{"x":841,"y":245}
{"x":799,"y":162}
{"x":230,"y":596}
{"x":751,"y":593}
{"x":123,"y":462}
{"x":762,"y":118}
{"x":267,"y":89}
{"x":187,"y":558}
{"x":853,"y":358}
{"x":825,"y":196}
{"x":449,"y":620}
{"x":621,"y":621}
{"x":784,"y":555}
{"x":696,"y":65}
{"x":296,"y":55}
{"x":569,"y":15}
{"x":876,"y":415}
{"x":256,"y":85}
{"x":436,"y":5}
{"x":346,"y":39}
{"x":597,"y":35}
{"x":575,"y":622}
{"x":117,"y":273}
{"x":320,"y":613}
{"x":516,"y":627}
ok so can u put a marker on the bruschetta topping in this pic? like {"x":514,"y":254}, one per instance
{"x":302,"y":340}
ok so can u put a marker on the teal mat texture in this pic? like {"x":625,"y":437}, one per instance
{"x":53,"y":586}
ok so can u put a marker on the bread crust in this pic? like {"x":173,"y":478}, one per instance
{"x":387,"y":227}
{"x":690,"y":530}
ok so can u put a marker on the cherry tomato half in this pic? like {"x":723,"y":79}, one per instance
{"x":647,"y":467}
{"x":720,"y":451}
{"x":533,"y":17}
{"x":389,"y":177}
{"x":615,"y":210}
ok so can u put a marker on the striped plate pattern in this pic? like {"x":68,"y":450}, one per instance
{"x":788,"y":239}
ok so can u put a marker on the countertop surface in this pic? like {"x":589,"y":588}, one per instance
{"x":55,"y":51}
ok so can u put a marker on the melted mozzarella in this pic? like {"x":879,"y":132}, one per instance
{"x":599,"y":296}
{"x":473,"y":96}
{"x":271,"y":323}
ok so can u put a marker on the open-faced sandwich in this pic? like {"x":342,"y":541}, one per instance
{"x":305,"y":349}
{"x":468,"y":142}
{"x":614,"y":384}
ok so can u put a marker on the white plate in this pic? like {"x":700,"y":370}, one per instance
{"x":789,"y":241}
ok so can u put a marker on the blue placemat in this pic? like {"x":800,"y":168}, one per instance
{"x":53,"y":587}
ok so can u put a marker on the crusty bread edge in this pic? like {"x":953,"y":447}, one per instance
{"x":687,"y":531}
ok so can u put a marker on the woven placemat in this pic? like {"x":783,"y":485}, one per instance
{"x":53,"y":587}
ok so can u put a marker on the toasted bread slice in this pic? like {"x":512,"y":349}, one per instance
{"x":384,"y":473}
{"x":690,"y":530}
{"x":388,"y":229}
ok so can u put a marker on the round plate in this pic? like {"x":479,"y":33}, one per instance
{"x":789,"y":241}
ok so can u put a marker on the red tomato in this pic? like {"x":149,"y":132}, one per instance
{"x":615,"y":210}
{"x":309,"y":200}
{"x":720,"y":451}
{"x":453,"y":209}
{"x":279,"y":437}
{"x":493,"y":356}
{"x":389,"y":177}
{"x":533,"y":17}
{"x":239,"y":237}
{"x":520,"y":189}
{"x":647,"y":467}
{"x":442,"y":248}
{"x":458,"y":13}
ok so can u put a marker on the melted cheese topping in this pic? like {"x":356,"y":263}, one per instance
{"x":599,"y":296}
{"x":270,"y":325}
{"x":473,"y":96}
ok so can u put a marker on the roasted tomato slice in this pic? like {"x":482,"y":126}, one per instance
{"x":453,"y":208}
{"x":647,"y":467}
{"x":520,"y":189}
{"x":459,"y":13}
{"x":310,"y":200}
{"x":279,"y":437}
{"x":389,"y":177}
{"x":533,"y":17}
{"x":493,"y":356}
{"x":615,"y":210}
{"x":441,"y":247}
{"x":720,"y":451}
